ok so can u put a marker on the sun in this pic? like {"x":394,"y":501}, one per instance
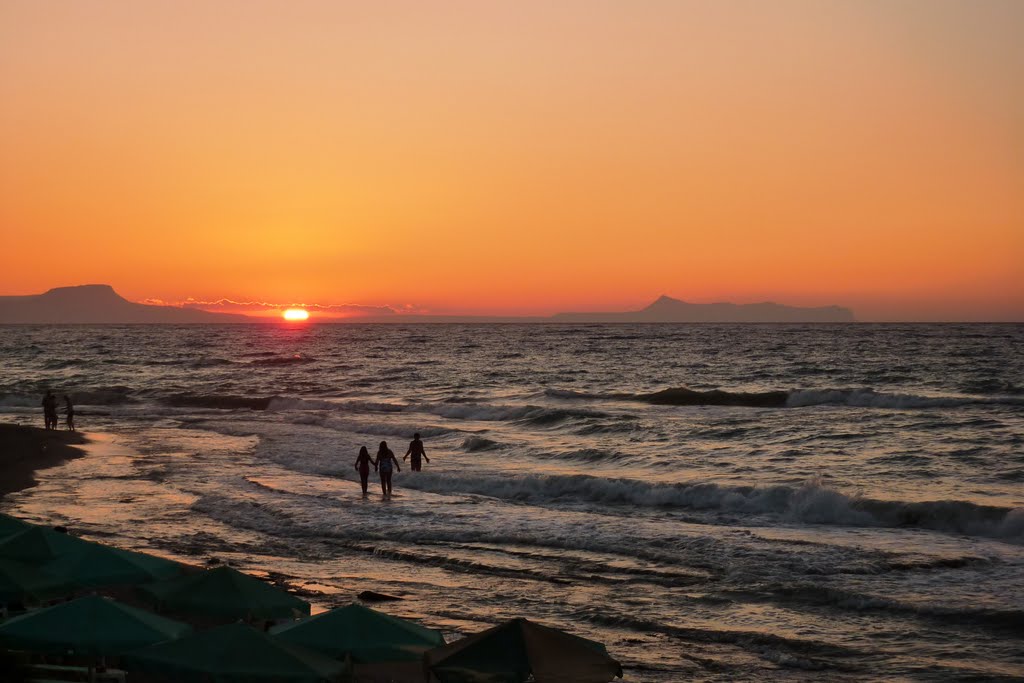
{"x":296,"y":314}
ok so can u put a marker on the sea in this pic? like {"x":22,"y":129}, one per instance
{"x":711,"y":502}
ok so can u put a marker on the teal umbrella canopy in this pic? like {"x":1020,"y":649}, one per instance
{"x":518,"y":649}
{"x":225,"y":593}
{"x":235,"y":653}
{"x":39,"y":544}
{"x":12,"y":525}
{"x":361,"y":634}
{"x":23,"y":582}
{"x":92,"y":626}
{"x":101,"y":565}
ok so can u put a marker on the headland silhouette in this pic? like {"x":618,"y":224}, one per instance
{"x":100,"y":304}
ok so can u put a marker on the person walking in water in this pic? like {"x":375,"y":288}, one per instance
{"x":70,"y":409}
{"x":363,"y":465}
{"x":417,"y":451}
{"x":50,"y":410}
{"x":384,"y":463}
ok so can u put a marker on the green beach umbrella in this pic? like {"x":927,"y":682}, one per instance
{"x":517,"y":649}
{"x":12,"y":525}
{"x":92,"y":626}
{"x":101,"y":565}
{"x":226,"y":593}
{"x":361,"y":634}
{"x":21,"y":582}
{"x":39,"y":544}
{"x":235,"y":653}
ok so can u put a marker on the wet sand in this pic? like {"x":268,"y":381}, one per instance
{"x":23,"y":450}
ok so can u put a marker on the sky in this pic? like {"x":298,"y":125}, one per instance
{"x":520,"y":157}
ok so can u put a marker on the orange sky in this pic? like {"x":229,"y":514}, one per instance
{"x":519,"y":157}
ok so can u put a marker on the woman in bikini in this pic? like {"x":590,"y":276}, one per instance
{"x":384,"y":463}
{"x":363,"y":465}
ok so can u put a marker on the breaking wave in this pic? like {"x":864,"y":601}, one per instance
{"x":478,"y":443}
{"x":812,"y":503}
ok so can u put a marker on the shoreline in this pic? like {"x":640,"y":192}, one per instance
{"x":25,"y":450}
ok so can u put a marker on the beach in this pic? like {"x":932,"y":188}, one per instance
{"x":866,"y":522}
{"x":24,"y":450}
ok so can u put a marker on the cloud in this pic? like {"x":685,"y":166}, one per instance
{"x":267,"y":307}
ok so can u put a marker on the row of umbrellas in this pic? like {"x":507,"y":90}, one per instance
{"x":320,"y":648}
{"x":331,"y":646}
{"x":38,"y":564}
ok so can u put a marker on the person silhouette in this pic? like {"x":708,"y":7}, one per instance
{"x":50,"y":410}
{"x":417,"y":451}
{"x":363,"y":466}
{"x":70,"y":409}
{"x":384,"y":463}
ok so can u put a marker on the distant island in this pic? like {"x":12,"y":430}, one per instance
{"x":669,"y":310}
{"x":100,"y":304}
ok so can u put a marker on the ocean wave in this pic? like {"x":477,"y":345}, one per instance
{"x":479,"y":443}
{"x":682,"y":396}
{"x":525,"y":414}
{"x":869,"y":398}
{"x":18,"y":401}
{"x":585,"y":455}
{"x":101,"y":396}
{"x":283,"y":360}
{"x":993,"y":386}
{"x":688,"y":397}
{"x":819,"y":594}
{"x":291,"y":403}
{"x":796,"y":398}
{"x":790,"y":652}
{"x":811,"y":503}
{"x":385,"y":429}
{"x":210,"y":362}
{"x":219,"y":401}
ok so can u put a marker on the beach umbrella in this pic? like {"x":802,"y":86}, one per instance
{"x":39,"y":544}
{"x":226,"y":593}
{"x":235,"y":653}
{"x":12,"y":525}
{"x":362,"y":635}
{"x":92,"y":626}
{"x":517,"y":649}
{"x":101,"y":565}
{"x":21,"y":582}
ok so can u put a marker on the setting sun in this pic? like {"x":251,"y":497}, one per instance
{"x":296,"y":314}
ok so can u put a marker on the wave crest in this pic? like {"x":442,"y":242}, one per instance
{"x":796,"y":398}
{"x":812,"y":503}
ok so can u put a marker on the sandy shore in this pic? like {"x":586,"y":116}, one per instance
{"x":23,"y":450}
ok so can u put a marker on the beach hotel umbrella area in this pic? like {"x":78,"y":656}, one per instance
{"x":361,"y":635}
{"x":92,"y":626}
{"x":235,"y":652}
{"x":21,"y":582}
{"x":101,"y":565}
{"x":224,"y":593}
{"x":11,"y":525}
{"x":37,"y":544}
{"x":518,"y":649}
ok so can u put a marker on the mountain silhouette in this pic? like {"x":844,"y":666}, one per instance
{"x":101,"y":304}
{"x":668,"y":310}
{"x":98,"y":304}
